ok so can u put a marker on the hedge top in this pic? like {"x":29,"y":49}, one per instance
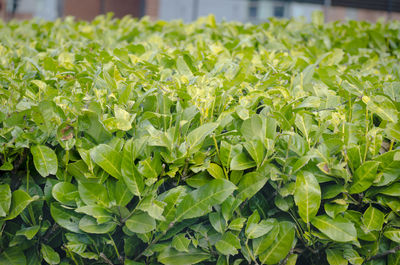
{"x":139,"y":142}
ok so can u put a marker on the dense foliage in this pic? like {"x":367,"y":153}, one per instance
{"x":138,"y":142}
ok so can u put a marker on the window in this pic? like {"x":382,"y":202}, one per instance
{"x":279,"y":10}
{"x":253,"y":9}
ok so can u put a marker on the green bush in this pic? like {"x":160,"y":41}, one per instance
{"x":138,"y":142}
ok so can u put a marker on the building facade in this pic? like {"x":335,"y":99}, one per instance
{"x":81,"y":9}
{"x":255,"y":11}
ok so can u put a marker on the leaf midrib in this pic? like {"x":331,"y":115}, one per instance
{"x":200,"y":202}
{"x":335,"y":227}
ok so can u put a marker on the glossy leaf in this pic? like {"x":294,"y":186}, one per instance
{"x":45,"y":160}
{"x":196,"y":137}
{"x":170,"y":256}
{"x":65,"y":217}
{"x":393,"y":234}
{"x":307,"y":196}
{"x":335,"y":257}
{"x":281,"y":246}
{"x":199,"y":202}
{"x":216,"y":171}
{"x":49,"y":255}
{"x":373,"y":219}
{"x":130,"y":175}
{"x":141,"y":223}
{"x":338,"y":229}
{"x":89,"y":225}
{"x":241,"y":162}
{"x":12,"y":256}
{"x":19,"y":201}
{"x":228,"y":244}
{"x":364,"y":177}
{"x":65,"y":193}
{"x":5,"y":199}
{"x":108,"y":159}
{"x":181,"y":243}
{"x":250,"y":184}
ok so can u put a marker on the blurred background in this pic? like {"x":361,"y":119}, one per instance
{"x":255,"y":11}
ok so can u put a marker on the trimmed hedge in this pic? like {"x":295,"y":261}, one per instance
{"x":139,"y":142}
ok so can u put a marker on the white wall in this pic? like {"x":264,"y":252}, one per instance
{"x":46,"y":9}
{"x":222,"y":9}
{"x":303,"y":9}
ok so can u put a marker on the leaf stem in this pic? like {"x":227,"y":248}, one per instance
{"x":106,"y":260}
{"x":115,"y":247}
{"x":384,"y":254}
{"x":250,"y":252}
{"x":219,"y":156}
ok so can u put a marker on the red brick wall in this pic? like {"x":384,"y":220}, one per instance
{"x":121,"y":8}
{"x":89,"y":9}
{"x":2,"y":9}
{"x":152,"y":8}
{"x":340,"y":13}
{"x":82,"y":9}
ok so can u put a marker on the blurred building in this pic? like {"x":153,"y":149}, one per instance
{"x":188,"y":10}
{"x":260,"y":10}
{"x":81,"y":9}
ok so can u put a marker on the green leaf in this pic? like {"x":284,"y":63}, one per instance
{"x":98,"y":212}
{"x":65,"y":217}
{"x":352,"y":256}
{"x":121,"y":194}
{"x":65,"y":193}
{"x":261,"y":244}
{"x":153,"y":207}
{"x":252,"y":129}
{"x":255,"y":230}
{"x":108,"y":159}
{"x":256,"y":151}
{"x":281,"y":246}
{"x":5,"y":199}
{"x":392,"y":190}
{"x":335,"y":257}
{"x":394,"y":259}
{"x":307,"y":195}
{"x":199,"y":202}
{"x":373,"y":219}
{"x":237,"y":224}
{"x":89,"y":123}
{"x":241,"y":162}
{"x":338,"y":229}
{"x":45,"y":160}
{"x":93,"y":193}
{"x":181,"y":243}
{"x":228,"y":151}
{"x":171,"y":198}
{"x":130,"y":175}
{"x":170,"y":256}
{"x":364,"y":176}
{"x":228,"y":244}
{"x":250,"y":184}
{"x":28,"y":232}
{"x":382,"y":106}
{"x":393,"y":234}
{"x":88,"y":224}
{"x":49,"y":255}
{"x":12,"y":256}
{"x":197,"y":136}
{"x":217,"y":222}
{"x":216,"y":171}
{"x":141,"y":223}
{"x":19,"y":201}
